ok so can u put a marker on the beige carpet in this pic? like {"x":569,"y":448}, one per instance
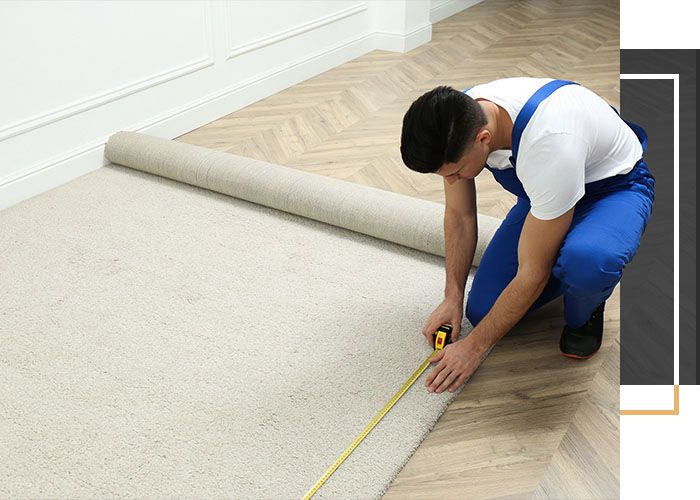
{"x":158,"y":339}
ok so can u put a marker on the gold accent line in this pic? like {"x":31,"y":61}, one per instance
{"x":675,"y":411}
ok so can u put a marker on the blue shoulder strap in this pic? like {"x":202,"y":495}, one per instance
{"x":529,"y":109}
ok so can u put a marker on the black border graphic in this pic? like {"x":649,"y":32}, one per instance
{"x":647,"y":291}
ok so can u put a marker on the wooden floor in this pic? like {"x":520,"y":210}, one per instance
{"x":530,"y":423}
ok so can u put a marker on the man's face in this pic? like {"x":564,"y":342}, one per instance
{"x":471,"y":163}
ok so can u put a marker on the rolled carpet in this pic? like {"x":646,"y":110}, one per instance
{"x":394,"y":217}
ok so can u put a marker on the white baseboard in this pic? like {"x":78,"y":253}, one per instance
{"x":450,"y":8}
{"x":397,"y":42}
{"x":51,"y":174}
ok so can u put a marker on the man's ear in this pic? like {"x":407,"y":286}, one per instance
{"x":484,"y":136}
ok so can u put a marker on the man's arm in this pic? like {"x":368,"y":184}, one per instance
{"x":538,"y":247}
{"x":460,"y":245}
{"x":460,"y":235}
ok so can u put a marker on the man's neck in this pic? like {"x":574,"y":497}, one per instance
{"x":499,"y":124}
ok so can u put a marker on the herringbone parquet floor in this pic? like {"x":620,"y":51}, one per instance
{"x":530,"y":423}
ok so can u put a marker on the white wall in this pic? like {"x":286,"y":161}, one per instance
{"x":73,"y":73}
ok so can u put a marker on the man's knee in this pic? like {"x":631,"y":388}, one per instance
{"x":586,"y":269}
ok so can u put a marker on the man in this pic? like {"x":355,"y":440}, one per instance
{"x":584,"y":198}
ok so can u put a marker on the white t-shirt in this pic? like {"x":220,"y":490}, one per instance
{"x":573,"y":138}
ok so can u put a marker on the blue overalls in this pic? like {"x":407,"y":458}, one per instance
{"x":607,"y":225}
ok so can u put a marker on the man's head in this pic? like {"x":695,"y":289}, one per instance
{"x":443,"y":132}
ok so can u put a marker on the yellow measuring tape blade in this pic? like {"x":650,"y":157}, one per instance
{"x":370,"y":426}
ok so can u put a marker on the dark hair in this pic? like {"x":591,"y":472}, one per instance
{"x":438,"y":127}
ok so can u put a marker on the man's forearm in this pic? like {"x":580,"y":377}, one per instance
{"x":509,"y":308}
{"x":460,"y":245}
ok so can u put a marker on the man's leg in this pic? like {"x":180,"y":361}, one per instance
{"x":498,"y":267}
{"x":604,"y":236}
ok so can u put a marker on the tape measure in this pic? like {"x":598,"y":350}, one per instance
{"x":441,"y":338}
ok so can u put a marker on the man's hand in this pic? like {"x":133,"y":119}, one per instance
{"x":455,"y":364}
{"x":449,"y":311}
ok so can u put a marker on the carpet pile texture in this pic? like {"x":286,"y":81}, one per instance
{"x":159,"y":339}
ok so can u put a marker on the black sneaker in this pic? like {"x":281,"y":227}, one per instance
{"x":584,"y":341}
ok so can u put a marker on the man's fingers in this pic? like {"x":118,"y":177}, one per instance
{"x":449,"y":379}
{"x":439,"y":377}
{"x":437,"y":356}
{"x":457,"y":383}
{"x":428,"y":334}
{"x":433,"y":374}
